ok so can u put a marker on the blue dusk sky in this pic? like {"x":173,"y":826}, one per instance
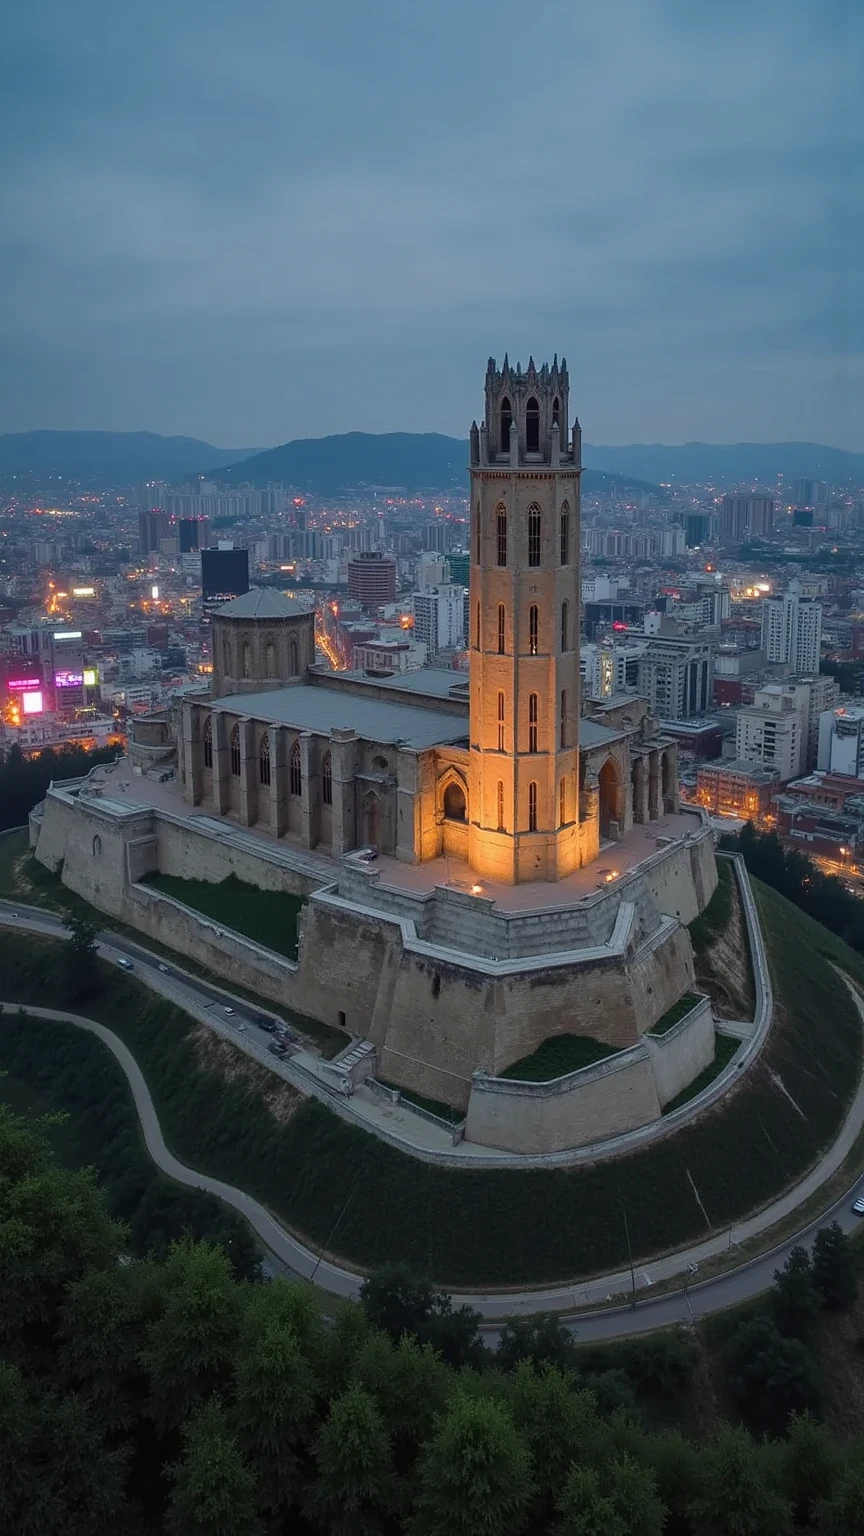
{"x":253,"y":222}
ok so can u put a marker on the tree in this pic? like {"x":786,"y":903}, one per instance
{"x":274,"y":1400}
{"x":81,"y":957}
{"x":474,"y":1475}
{"x":736,"y":1498}
{"x":189,"y":1348}
{"x":214,"y":1492}
{"x":411,"y":1385}
{"x":795,"y":1301}
{"x":834,"y":1268}
{"x":842,"y":1513}
{"x":102,"y":1324}
{"x":810,"y":1464}
{"x":541,"y":1338}
{"x":622,"y":1492}
{"x":354,"y":1488}
{"x":770,"y":1377}
{"x":398,"y":1302}
{"x":558,"y":1425}
{"x":675,"y":1461}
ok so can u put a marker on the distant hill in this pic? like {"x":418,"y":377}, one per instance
{"x":728,"y":463}
{"x":411,"y":461}
{"x":109,"y":456}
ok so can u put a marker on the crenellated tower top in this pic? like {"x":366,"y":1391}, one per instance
{"x":526,"y":419}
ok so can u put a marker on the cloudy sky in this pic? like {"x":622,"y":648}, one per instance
{"x":251,"y":222}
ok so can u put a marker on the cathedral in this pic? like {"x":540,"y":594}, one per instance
{"x":504,"y":772}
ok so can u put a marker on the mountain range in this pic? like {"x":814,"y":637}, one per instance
{"x":408,"y":460}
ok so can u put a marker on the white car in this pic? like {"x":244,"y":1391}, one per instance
{"x":858,"y":1207}
{"x":230,"y":1011}
{"x":164,"y":969}
{"x":126,"y":964}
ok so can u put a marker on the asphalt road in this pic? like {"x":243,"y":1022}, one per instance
{"x":696,"y":1300}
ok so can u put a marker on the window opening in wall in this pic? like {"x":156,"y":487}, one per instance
{"x":564,"y":626}
{"x":532,"y":426}
{"x":271,"y":659}
{"x":532,"y":807}
{"x":208,"y":742}
{"x":247,"y":659}
{"x":235,"y":752}
{"x":500,"y":722}
{"x":501,"y":628}
{"x":342,"y":1020}
{"x":327,"y":779}
{"x":226,"y":658}
{"x":295,"y":774}
{"x":97,"y":846}
{"x":455,"y":808}
{"x":533,"y":628}
{"x":264,"y":759}
{"x":501,"y":532}
{"x":562,"y":803}
{"x":533,"y":704}
{"x":478,"y":626}
{"x":562,"y":723}
{"x":501,"y":805}
{"x":556,"y":412}
{"x":534,"y":516}
{"x":292,"y":658}
{"x":506,"y":422}
{"x":565,"y":533}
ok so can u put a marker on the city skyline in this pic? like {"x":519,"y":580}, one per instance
{"x":254,"y":236}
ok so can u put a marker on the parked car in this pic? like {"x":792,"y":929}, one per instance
{"x":164,"y":969}
{"x":230,"y":1011}
{"x":278,"y":1048}
{"x":126,"y":964}
{"x":858,"y":1207}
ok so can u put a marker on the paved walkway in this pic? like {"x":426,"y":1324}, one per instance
{"x":712,"y":1295}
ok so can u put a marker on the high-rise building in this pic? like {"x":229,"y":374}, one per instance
{"x":809,"y":493}
{"x":372,"y":578}
{"x":459,"y":562}
{"x":792,"y":629}
{"x":675,"y":676}
{"x":745,"y":516}
{"x":438,"y":535}
{"x":193,"y":533}
{"x":697,"y":529}
{"x":774,"y":729}
{"x":224,"y":574}
{"x":154,"y":525}
{"x":524,"y":606}
{"x":841,"y":742}
{"x":439,"y":618}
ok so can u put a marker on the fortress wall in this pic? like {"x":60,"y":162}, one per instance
{"x":683,"y":882}
{"x":202,"y":856}
{"x":602,"y":1100}
{"x":678,"y":1057}
{"x":662,"y":970}
{"x":231,"y":957}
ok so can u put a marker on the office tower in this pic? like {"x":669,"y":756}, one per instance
{"x":153,"y":526}
{"x":439,"y":618}
{"x":371,"y":578}
{"x":193,"y":533}
{"x":224,"y":574}
{"x":697,"y":529}
{"x":745,"y":516}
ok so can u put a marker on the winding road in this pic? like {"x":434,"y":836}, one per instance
{"x":696,"y":1299}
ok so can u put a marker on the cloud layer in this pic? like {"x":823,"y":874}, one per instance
{"x":251,"y":223}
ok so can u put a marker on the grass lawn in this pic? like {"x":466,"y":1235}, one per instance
{"x":268,"y":917}
{"x":673,"y":1015}
{"x":434,"y":1106}
{"x":557,"y":1056}
{"x":705,"y":928}
{"x":724,"y":1049}
{"x":468,"y":1227}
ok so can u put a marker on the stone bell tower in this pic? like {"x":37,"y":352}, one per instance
{"x":524,"y":595}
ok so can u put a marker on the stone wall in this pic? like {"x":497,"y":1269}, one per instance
{"x":600,"y":1101}
{"x":683,"y":1052}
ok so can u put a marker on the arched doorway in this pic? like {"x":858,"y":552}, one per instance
{"x":610,"y":787}
{"x":370,"y":820}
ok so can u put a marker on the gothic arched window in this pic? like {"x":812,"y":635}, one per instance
{"x":532,"y":426}
{"x":501,"y":532}
{"x":264,"y":759}
{"x":271,"y":659}
{"x":502,"y":624}
{"x":533,"y":710}
{"x":477,"y":525}
{"x":562,"y":803}
{"x":562,"y":719}
{"x":506,"y":421}
{"x":532,"y":807}
{"x":534,"y":516}
{"x":295,"y":772}
{"x":226,"y":657}
{"x":247,"y":659}
{"x":501,"y":722}
{"x":208,"y":742}
{"x":292,"y":658}
{"x":556,"y":412}
{"x":533,"y":628}
{"x":455,"y":808}
{"x":478,"y":626}
{"x":565,"y":533}
{"x":565,"y":626}
{"x":501,"y":827}
{"x":235,"y":752}
{"x":327,"y":779}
